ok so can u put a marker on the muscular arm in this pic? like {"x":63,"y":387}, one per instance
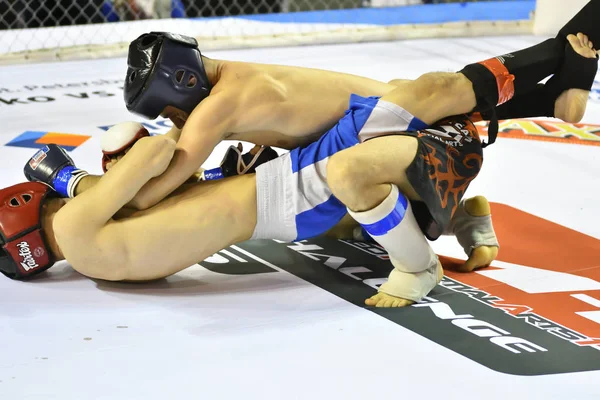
{"x":81,"y":227}
{"x":174,"y":133}
{"x":90,"y":181}
{"x":204,"y":129}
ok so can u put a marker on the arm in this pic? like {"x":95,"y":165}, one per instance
{"x":204,"y":129}
{"x":174,"y":133}
{"x":80,"y":226}
{"x":148,"y":158}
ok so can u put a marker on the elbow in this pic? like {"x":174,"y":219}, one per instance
{"x":141,"y":202}
{"x":113,"y":272}
{"x":117,"y":267}
{"x":150,"y":195}
{"x":107,"y":269}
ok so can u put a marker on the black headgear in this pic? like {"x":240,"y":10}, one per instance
{"x":165,"y":69}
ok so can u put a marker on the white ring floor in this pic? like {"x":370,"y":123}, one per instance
{"x":202,"y":334}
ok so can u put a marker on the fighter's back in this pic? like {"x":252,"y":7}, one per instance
{"x":289,"y":106}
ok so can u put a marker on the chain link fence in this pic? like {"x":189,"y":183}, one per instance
{"x":20,"y":14}
{"x":47,"y":25}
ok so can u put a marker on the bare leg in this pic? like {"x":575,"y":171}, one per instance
{"x":361,"y":178}
{"x":495,"y":81}
{"x":434,"y":96}
{"x":480,"y":257}
{"x":480,"y":86}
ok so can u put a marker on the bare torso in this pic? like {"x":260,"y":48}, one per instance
{"x":318,"y":99}
{"x":271,"y":105}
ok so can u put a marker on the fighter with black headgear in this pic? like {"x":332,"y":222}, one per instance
{"x":286,"y":107}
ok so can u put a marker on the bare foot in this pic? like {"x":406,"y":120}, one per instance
{"x":384,"y":300}
{"x":571,"y":104}
{"x":481,"y":256}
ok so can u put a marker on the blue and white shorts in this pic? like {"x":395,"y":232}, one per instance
{"x":294,"y":201}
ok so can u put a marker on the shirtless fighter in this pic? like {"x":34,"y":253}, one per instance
{"x":288,"y":107}
{"x":101,"y":240}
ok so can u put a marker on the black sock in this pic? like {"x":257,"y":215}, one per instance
{"x":516,"y":73}
{"x":585,"y":21}
{"x":575,"y":72}
{"x":536,"y":103}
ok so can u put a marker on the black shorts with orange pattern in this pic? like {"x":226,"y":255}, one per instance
{"x":449,"y":157}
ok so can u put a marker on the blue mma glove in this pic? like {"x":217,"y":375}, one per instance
{"x":53,"y":166}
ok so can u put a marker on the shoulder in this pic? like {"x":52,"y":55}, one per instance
{"x":248,"y":77}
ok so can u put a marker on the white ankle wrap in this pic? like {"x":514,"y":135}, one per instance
{"x":393,"y":225}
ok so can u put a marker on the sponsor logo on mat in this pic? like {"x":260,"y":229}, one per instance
{"x":39,"y":139}
{"x":547,"y":131}
{"x":536,"y":311}
{"x":71,"y":141}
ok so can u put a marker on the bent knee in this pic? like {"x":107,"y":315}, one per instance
{"x":111,"y":272}
{"x":398,"y":82}
{"x":441,"y":83}
{"x":343,"y":175}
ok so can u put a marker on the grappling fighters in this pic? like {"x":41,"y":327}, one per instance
{"x":303,"y":210}
{"x":102,"y":239}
